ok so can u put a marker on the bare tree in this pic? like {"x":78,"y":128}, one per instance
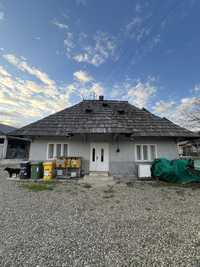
{"x":194,"y":115}
{"x":191,"y":116}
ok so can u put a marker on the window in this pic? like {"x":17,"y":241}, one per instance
{"x":139,"y":156}
{"x":146,"y":152}
{"x":51,"y":151}
{"x":65,"y":150}
{"x":93,"y":154}
{"x":152,"y":152}
{"x":102,"y":155}
{"x":1,"y":141}
{"x":57,"y":150}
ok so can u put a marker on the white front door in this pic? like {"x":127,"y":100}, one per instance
{"x":99,"y":157}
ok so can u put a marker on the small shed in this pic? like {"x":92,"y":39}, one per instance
{"x":12,"y":147}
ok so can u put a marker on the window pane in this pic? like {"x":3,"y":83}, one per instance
{"x":1,"y":140}
{"x":58,"y":150}
{"x":102,"y":155}
{"x":50,"y":151}
{"x":153,"y":152}
{"x":65,"y":150}
{"x":145,"y":152}
{"x":139,"y":153}
{"x":93,"y":154}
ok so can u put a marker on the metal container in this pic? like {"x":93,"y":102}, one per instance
{"x":36,"y":170}
{"x":25,"y":170}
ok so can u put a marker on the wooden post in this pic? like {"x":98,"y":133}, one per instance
{"x":5,"y":147}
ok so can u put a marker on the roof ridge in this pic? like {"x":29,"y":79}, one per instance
{"x":105,"y":100}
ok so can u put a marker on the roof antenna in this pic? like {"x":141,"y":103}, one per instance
{"x":93,"y":96}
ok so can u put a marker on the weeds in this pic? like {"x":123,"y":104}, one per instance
{"x":38,"y":186}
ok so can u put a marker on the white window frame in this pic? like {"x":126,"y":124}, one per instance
{"x":148,"y":152}
{"x":55,"y":149}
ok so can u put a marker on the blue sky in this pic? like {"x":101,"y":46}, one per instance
{"x":55,"y":53}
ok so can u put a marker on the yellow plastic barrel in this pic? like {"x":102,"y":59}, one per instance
{"x":49,"y":170}
{"x":60,"y":163}
{"x":76,"y":163}
{"x":68,"y":163}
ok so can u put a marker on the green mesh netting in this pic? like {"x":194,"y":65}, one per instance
{"x":175,"y":171}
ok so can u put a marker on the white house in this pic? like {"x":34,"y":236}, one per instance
{"x":110,"y":136}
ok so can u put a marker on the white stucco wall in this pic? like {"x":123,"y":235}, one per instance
{"x":122,"y":162}
{"x":38,"y":149}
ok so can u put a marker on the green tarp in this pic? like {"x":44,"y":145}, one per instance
{"x":175,"y":171}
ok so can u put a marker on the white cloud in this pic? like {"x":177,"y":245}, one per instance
{"x":3,"y":72}
{"x":23,"y":66}
{"x":103,"y":48}
{"x":69,"y":43}
{"x":180,"y":112}
{"x":23,"y":101}
{"x":141,"y":93}
{"x":82,"y":76}
{"x":82,"y":36}
{"x":135,"y":22}
{"x":60,"y":25}
{"x":93,"y":50}
{"x":93,"y":91}
{"x":196,"y":88}
{"x":97,"y":89}
{"x":163,"y":107}
{"x":136,"y":28}
{"x":138,"y":92}
{"x":2,"y":15}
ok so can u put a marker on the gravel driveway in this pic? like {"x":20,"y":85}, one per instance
{"x":140,"y":225}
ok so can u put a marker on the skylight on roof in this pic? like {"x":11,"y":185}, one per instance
{"x":121,"y":111}
{"x":88,"y":110}
{"x":105,"y":104}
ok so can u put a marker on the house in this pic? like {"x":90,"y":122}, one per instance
{"x":110,"y":136}
{"x":12,"y":147}
{"x":190,"y":148}
{"x":4,"y":130}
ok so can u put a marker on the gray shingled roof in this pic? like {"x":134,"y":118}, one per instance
{"x":95,"y":116}
{"x":5,"y":129}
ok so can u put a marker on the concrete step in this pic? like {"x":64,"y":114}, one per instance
{"x":98,"y":180}
{"x":99,"y":174}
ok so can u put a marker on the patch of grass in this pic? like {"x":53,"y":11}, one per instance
{"x":38,"y":186}
{"x":169,"y":185}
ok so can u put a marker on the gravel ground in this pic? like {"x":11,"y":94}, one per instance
{"x":146,"y":224}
